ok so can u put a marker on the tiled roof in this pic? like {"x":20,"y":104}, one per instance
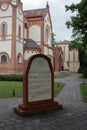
{"x":31,"y":44}
{"x":35,"y":13}
{"x":64,"y":42}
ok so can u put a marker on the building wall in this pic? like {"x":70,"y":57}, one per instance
{"x":19,"y":40}
{"x":29,"y":53}
{"x":6,"y":12}
{"x":58,"y":59}
{"x":6,"y":41}
{"x":8,"y":21}
{"x":5,"y":44}
{"x":36,"y":30}
{"x":10,"y":44}
{"x":47,"y":29}
{"x":74,"y":66}
{"x":13,"y":45}
{"x":51,"y":51}
{"x":25,"y":33}
{"x":46,"y":50}
{"x":71,"y":58}
{"x":35,"y":33}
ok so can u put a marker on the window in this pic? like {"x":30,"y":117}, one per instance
{"x":19,"y":58}
{"x":19,"y":32}
{"x":4,"y":29}
{"x":3,"y":59}
{"x":47,"y":34}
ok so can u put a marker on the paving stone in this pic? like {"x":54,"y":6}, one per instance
{"x":72,"y":117}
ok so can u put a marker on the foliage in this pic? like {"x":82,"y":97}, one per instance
{"x":53,"y":38}
{"x":83,"y":71}
{"x":11,"y":77}
{"x":83,"y":88}
{"x":78,"y":23}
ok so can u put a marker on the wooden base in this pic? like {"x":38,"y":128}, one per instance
{"x":36,"y":109}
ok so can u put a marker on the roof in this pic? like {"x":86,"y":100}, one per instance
{"x":64,"y":42}
{"x":31,"y":44}
{"x":35,"y":13}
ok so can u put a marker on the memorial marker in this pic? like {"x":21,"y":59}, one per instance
{"x":38,"y":87}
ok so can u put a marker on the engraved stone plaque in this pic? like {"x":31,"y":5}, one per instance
{"x":39,"y":80}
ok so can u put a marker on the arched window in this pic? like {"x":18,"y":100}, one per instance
{"x":19,"y":32}
{"x":4,"y":29}
{"x":47,"y":34}
{"x":3,"y":59}
{"x":19,"y":58}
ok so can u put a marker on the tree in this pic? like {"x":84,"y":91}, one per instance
{"x":78,"y":23}
{"x":53,"y":38}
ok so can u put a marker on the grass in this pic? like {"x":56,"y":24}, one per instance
{"x":6,"y":89}
{"x":57,"y":88}
{"x":83,"y":88}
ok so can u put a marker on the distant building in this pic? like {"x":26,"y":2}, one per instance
{"x":58,"y":58}
{"x":70,"y":58}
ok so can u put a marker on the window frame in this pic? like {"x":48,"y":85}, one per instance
{"x":3,"y":30}
{"x":6,"y":60}
{"x":19,"y":58}
{"x":19,"y":32}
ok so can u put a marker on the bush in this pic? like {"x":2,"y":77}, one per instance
{"x":11,"y":77}
{"x":83,"y":71}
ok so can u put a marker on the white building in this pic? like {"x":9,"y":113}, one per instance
{"x":22,"y":34}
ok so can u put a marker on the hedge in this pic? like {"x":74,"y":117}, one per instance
{"x":11,"y":77}
{"x":83,"y":71}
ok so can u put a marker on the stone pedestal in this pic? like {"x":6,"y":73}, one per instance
{"x":38,"y":87}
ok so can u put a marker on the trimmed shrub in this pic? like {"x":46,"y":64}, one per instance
{"x":11,"y":77}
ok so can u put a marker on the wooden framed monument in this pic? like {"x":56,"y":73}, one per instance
{"x":38,"y":87}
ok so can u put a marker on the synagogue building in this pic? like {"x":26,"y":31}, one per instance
{"x":24,"y":33}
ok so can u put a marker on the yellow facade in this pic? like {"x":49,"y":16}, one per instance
{"x":71,"y":58}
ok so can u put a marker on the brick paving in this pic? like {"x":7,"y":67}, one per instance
{"x":72,"y":117}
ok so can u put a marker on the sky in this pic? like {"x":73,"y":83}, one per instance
{"x":58,"y":15}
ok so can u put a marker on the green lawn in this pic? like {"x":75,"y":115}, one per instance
{"x":83,"y":88}
{"x":57,"y":88}
{"x":6,"y":89}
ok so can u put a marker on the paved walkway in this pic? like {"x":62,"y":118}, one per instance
{"x":72,"y":117}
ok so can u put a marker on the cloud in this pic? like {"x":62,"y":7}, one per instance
{"x":33,"y":4}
